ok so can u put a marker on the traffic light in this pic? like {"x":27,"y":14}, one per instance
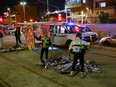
{"x":59,"y":17}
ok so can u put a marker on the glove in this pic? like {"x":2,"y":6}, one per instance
{"x":68,"y":56}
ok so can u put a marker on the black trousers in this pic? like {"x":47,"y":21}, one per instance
{"x":79,"y":56}
{"x":42,"y":53}
{"x":18,"y":40}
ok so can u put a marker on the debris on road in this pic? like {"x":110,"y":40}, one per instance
{"x":63,"y":65}
{"x":14,"y":48}
{"x":90,"y":66}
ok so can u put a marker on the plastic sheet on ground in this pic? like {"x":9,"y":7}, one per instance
{"x":64,"y":65}
{"x":59,"y":60}
{"x":14,"y":48}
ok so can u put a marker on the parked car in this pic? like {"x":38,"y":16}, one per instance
{"x":11,"y":31}
{"x":108,"y":41}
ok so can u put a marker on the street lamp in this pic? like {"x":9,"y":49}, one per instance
{"x":9,"y":14}
{"x":48,"y":9}
{"x":90,"y":12}
{"x":23,"y":4}
{"x":47,"y":6}
{"x":8,"y":9}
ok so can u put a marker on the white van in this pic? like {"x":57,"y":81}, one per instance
{"x":62,"y":33}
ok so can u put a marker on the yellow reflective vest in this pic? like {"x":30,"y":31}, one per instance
{"x":77,"y":45}
{"x":45,"y":41}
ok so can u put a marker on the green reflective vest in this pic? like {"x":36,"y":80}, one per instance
{"x":45,"y":41}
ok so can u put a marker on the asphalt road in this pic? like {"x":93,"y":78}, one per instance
{"x":18,"y":69}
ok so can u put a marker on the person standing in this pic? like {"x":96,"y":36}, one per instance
{"x":30,"y":38}
{"x":45,"y":45}
{"x":1,"y":38}
{"x":77,"y":48}
{"x":17,"y":36}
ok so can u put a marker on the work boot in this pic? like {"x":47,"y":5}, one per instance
{"x":72,"y":73}
{"x":42,"y":62}
{"x":82,"y":74}
{"x":46,"y":64}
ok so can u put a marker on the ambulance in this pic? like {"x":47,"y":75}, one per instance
{"x":62,"y":33}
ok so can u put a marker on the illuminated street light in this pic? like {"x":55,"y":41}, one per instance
{"x":82,"y":14}
{"x":31,"y":20}
{"x":8,"y":9}
{"x":9,"y":14}
{"x":23,"y":4}
{"x":57,"y":11}
{"x":48,"y":13}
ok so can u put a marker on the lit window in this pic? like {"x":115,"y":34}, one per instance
{"x":103,"y":4}
{"x":84,"y":1}
{"x":71,"y":2}
{"x":62,"y":29}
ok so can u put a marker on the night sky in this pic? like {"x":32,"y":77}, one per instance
{"x":4,"y":4}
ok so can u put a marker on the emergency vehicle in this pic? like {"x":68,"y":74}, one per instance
{"x":62,"y":33}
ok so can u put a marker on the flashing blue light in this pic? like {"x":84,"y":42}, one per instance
{"x":82,"y":38}
{"x":70,"y":23}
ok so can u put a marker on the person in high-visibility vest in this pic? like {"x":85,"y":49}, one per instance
{"x":77,"y":48}
{"x":45,"y":45}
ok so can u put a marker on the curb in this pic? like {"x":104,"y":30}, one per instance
{"x":103,"y":47}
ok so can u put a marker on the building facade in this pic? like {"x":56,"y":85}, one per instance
{"x":87,"y":11}
{"x":29,"y":15}
{"x":77,"y":10}
{"x":104,"y":6}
